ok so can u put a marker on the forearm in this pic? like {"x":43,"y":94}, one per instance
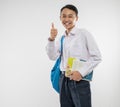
{"x":52,"y":50}
{"x":90,"y":64}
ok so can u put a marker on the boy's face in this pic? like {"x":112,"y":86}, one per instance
{"x":68,"y":18}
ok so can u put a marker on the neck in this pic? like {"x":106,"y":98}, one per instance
{"x":68,"y":30}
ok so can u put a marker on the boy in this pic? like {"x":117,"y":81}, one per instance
{"x":77,"y":43}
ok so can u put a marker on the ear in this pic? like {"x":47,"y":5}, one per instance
{"x":76,"y":18}
{"x":60,"y":17}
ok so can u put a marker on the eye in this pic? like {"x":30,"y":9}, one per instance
{"x":67,"y":16}
{"x":63,"y":16}
{"x":70,"y":16}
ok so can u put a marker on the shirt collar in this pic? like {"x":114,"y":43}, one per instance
{"x":72,"y":32}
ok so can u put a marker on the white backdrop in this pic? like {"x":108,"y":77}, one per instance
{"x":24,"y":65}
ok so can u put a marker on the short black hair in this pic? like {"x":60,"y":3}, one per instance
{"x":71,"y":7}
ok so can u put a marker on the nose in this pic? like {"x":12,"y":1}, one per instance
{"x":66,"y":19}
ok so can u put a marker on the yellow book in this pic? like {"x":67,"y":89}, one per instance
{"x":69,"y":65}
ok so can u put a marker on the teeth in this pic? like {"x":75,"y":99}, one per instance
{"x":66,"y":23}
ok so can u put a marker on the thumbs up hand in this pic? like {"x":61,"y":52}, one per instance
{"x":53,"y":32}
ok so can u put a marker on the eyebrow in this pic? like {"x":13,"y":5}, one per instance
{"x":68,"y":14}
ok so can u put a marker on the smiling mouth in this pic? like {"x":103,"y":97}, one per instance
{"x":67,"y":23}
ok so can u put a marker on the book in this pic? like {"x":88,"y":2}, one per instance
{"x":75,"y":64}
{"x":69,"y":66}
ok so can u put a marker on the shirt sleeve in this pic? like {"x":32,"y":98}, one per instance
{"x":53,"y":49}
{"x":94,"y":55}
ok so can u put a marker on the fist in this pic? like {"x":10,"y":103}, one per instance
{"x":76,"y":76}
{"x":53,"y":32}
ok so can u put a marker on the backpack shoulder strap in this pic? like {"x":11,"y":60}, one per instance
{"x":61,"y":48}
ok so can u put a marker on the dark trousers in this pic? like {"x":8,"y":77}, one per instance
{"x":73,"y":93}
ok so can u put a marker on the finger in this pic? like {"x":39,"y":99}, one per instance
{"x":53,"y":25}
{"x":70,"y":77}
{"x":71,"y":73}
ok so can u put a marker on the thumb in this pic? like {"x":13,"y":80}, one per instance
{"x":53,"y":25}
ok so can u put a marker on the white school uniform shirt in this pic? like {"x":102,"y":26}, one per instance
{"x":80,"y":44}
